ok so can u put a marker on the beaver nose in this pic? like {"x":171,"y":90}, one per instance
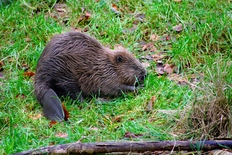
{"x":142,"y":77}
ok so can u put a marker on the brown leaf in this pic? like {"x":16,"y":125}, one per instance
{"x":177,"y":28}
{"x":157,"y":57}
{"x":114,"y":6}
{"x":61,"y":135}
{"x":60,"y":7}
{"x":84,"y":17}
{"x":87,"y":15}
{"x":1,"y":69}
{"x":27,"y":39}
{"x":61,"y":10}
{"x":160,"y":68}
{"x":177,"y":0}
{"x":36,"y":116}
{"x":117,"y":118}
{"x":52,"y":123}
{"x":130,"y":30}
{"x":168,"y":68}
{"x":115,"y":9}
{"x":178,"y":79}
{"x":119,"y":47}
{"x":86,"y":29}
{"x":28,"y":74}
{"x":21,"y":96}
{"x":165,"y":37}
{"x":154,"y":37}
{"x":145,"y":64}
{"x":150,"y":104}
{"x":149,"y":47}
{"x":24,"y":66}
{"x":66,"y":113}
{"x":140,"y":17}
{"x":132,"y":135}
{"x":1,"y":66}
{"x":94,"y":129}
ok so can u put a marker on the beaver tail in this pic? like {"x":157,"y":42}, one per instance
{"x":47,"y":97}
{"x":52,"y":107}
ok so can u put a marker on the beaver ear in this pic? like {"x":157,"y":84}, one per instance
{"x":119,"y":59}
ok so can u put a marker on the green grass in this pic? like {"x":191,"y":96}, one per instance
{"x":26,"y":26}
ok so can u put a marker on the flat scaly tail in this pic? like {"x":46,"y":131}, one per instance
{"x":52,"y":107}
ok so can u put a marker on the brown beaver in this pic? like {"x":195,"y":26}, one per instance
{"x":76,"y":65}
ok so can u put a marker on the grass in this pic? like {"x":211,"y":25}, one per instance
{"x":204,"y":42}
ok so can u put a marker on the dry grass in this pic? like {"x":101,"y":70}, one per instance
{"x":210,"y":114}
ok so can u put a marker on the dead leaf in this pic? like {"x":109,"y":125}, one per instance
{"x":157,"y":57}
{"x":119,"y":47}
{"x":24,"y":66}
{"x":60,"y":7}
{"x":61,"y":135}
{"x":52,"y":123}
{"x":61,"y":10}
{"x":140,"y":17}
{"x":221,"y":152}
{"x":168,"y":68}
{"x":178,"y":79}
{"x":147,"y":57}
{"x":194,"y":79}
{"x":27,"y":39}
{"x":154,"y":37}
{"x":132,"y":135}
{"x":165,"y":37}
{"x":94,"y":129}
{"x":36,"y":116}
{"x":1,"y":66}
{"x":84,"y":17}
{"x":51,"y":143}
{"x":130,"y":30}
{"x":160,"y":68}
{"x":177,"y":28}
{"x":66,"y":113}
{"x":145,"y":64}
{"x":1,"y":69}
{"x":86,"y":29}
{"x":117,"y":118}
{"x":28,"y":74}
{"x":115,"y":9}
{"x":150,"y":104}
{"x":149,"y":47}
{"x":87,"y":15}
{"x":22,"y":96}
{"x":177,"y":0}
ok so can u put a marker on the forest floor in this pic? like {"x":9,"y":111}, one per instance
{"x":185,"y":46}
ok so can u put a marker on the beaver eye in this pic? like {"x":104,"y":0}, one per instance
{"x":119,"y":58}
{"x":135,"y":67}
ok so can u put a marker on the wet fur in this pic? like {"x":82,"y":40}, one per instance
{"x":74,"y":63}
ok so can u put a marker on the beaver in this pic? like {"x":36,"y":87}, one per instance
{"x":75,"y":64}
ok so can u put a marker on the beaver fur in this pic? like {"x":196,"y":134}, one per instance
{"x":76,"y":65}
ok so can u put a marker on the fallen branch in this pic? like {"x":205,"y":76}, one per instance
{"x":114,"y":147}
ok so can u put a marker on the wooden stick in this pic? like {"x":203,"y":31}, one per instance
{"x":125,"y":146}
